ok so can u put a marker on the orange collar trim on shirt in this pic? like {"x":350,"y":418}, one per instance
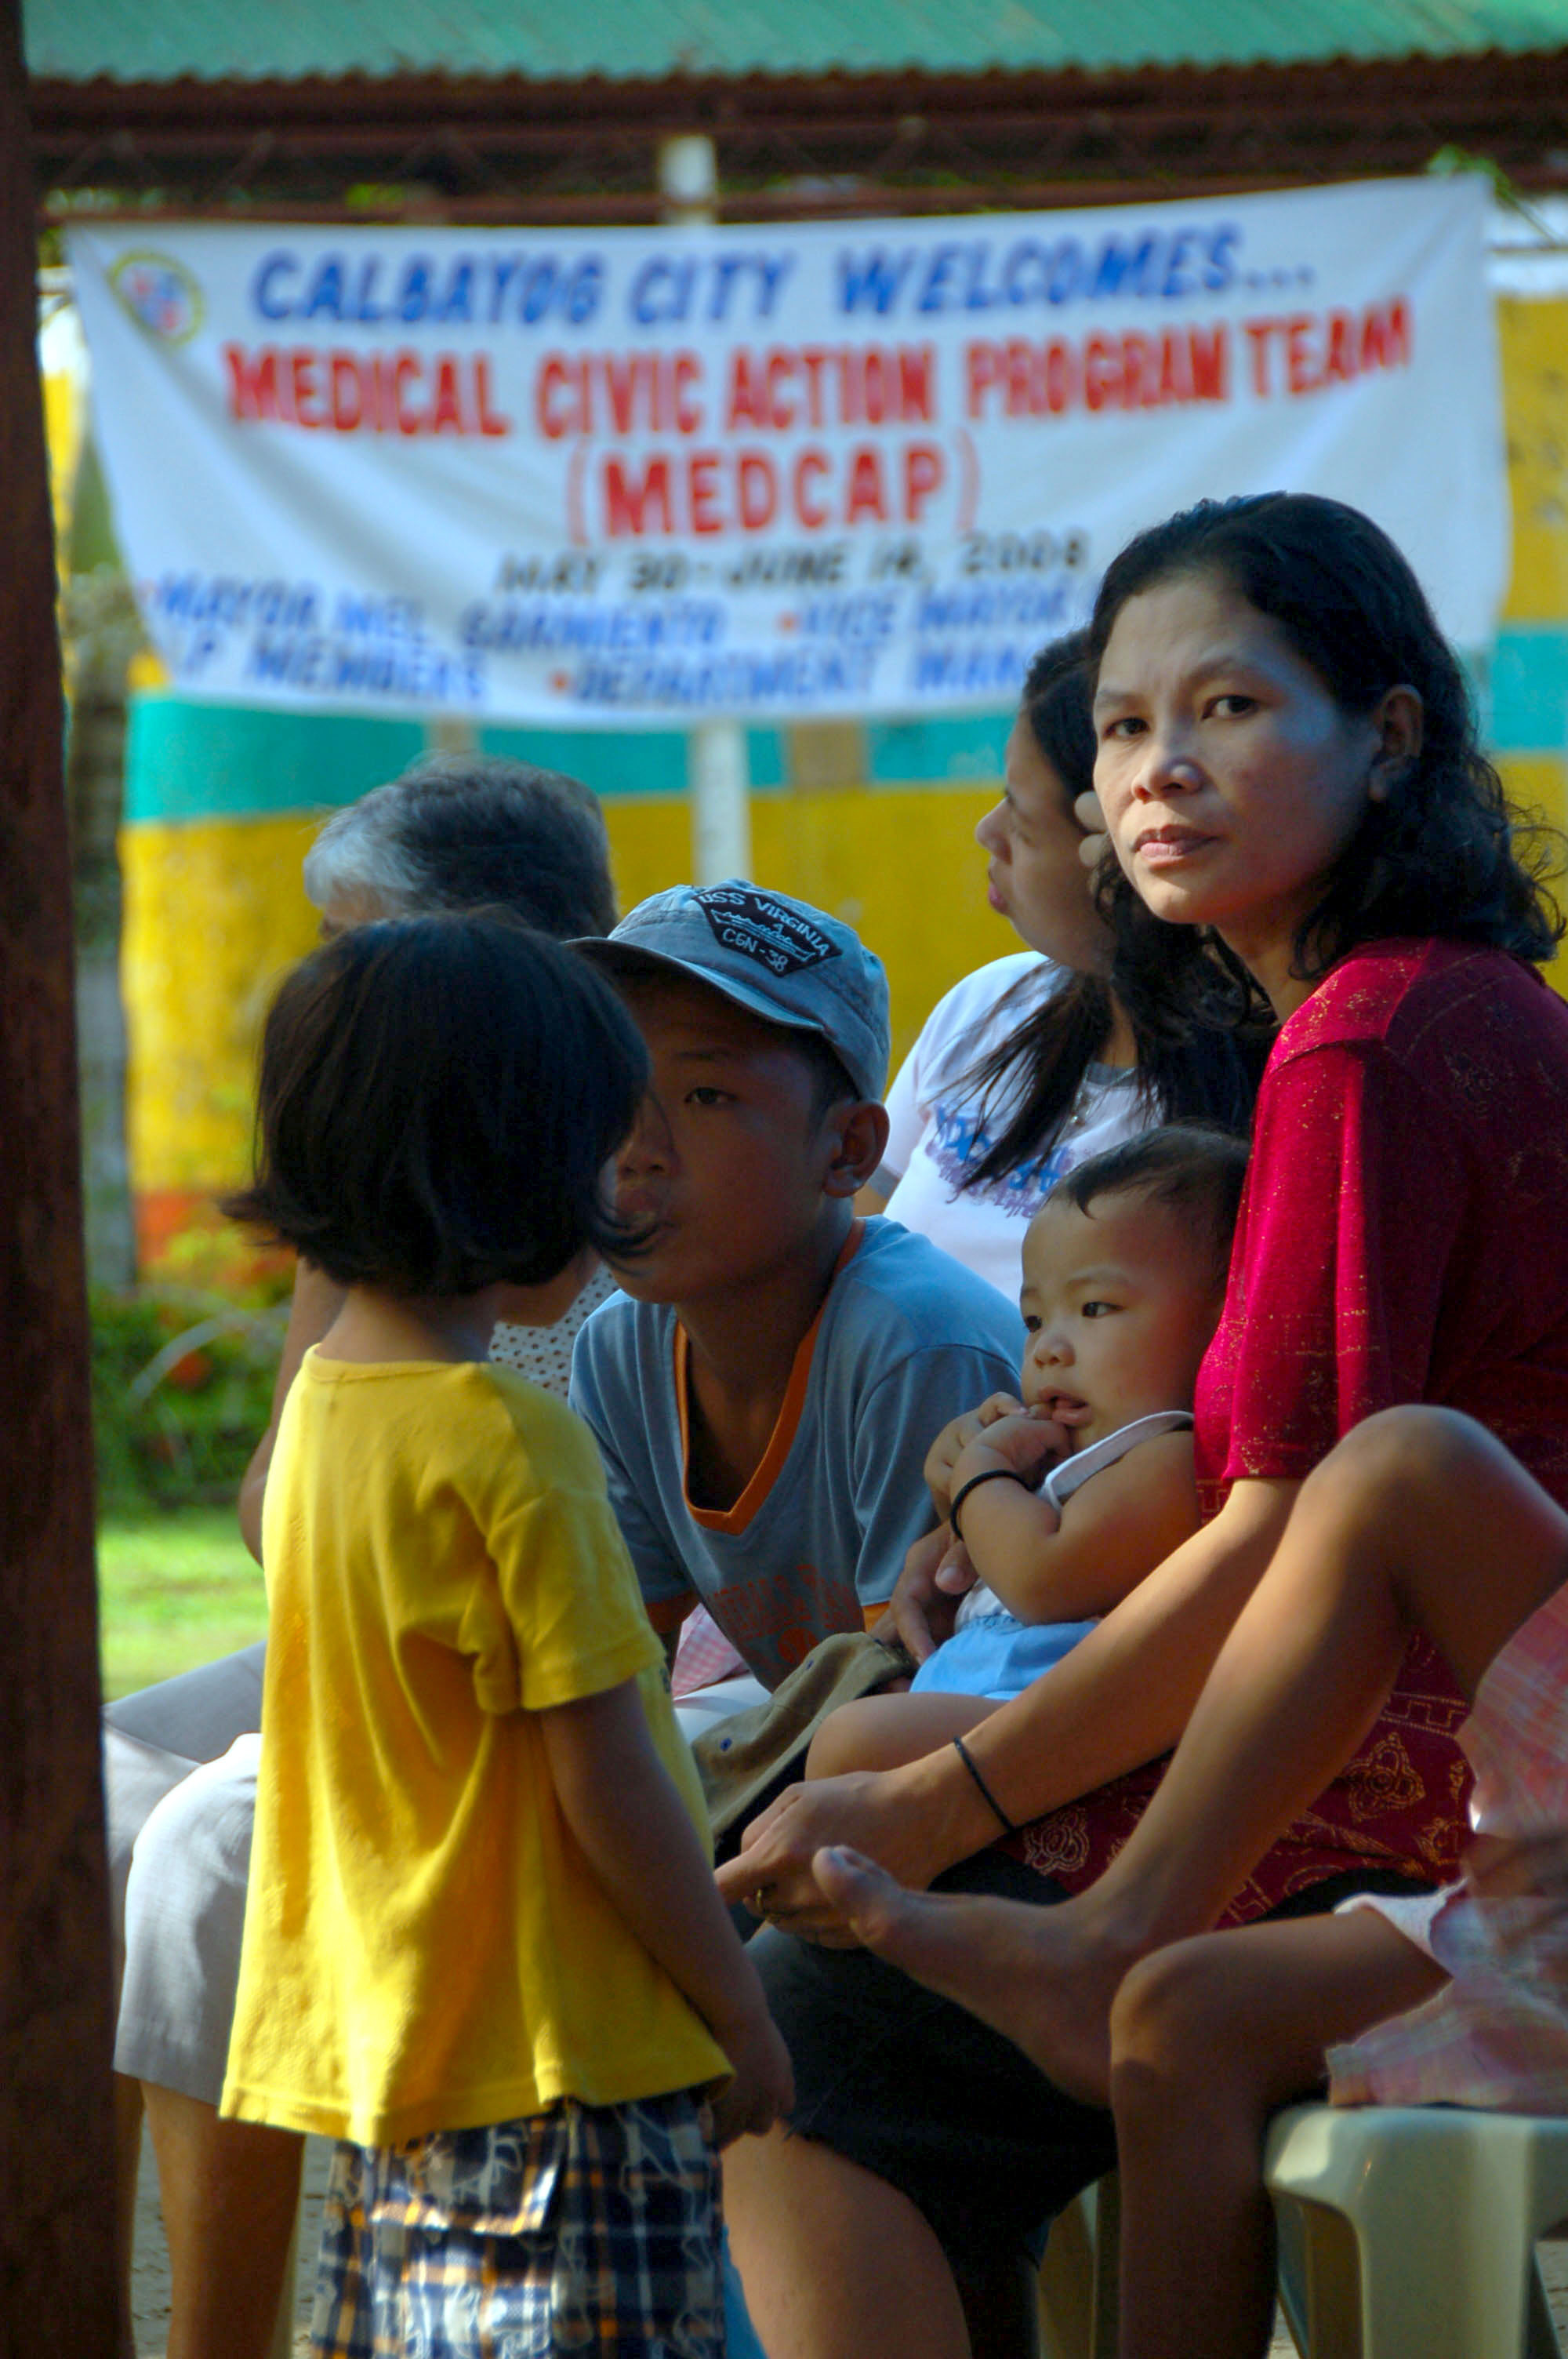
{"x":786,"y":1424}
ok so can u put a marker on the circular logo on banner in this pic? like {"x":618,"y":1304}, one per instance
{"x":161,"y":293}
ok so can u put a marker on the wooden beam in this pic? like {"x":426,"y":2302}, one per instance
{"x":57,"y":2203}
{"x":509,"y":149}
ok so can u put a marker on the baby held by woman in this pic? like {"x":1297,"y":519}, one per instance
{"x":1064,"y":1500}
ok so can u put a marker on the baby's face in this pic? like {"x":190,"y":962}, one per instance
{"x":1119,"y":1306}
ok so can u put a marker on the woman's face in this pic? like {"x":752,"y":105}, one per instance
{"x":1035,"y":875}
{"x":1230,"y":779}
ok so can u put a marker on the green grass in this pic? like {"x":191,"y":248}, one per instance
{"x":176,"y":1588}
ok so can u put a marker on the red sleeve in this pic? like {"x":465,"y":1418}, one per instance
{"x":1354,"y":1201}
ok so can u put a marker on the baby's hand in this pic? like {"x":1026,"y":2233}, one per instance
{"x":1026,"y":1443}
{"x":953,"y":1440}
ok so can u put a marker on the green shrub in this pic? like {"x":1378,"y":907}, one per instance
{"x":183,"y":1386}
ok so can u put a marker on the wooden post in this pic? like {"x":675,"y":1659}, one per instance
{"x":717,"y":760}
{"x":57,"y":2208}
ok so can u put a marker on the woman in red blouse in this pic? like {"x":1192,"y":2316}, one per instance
{"x":1290,"y":774}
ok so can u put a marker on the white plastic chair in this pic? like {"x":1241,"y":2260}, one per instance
{"x":1077,"y":2290}
{"x":1405,"y":2233}
{"x":1410,"y":2231}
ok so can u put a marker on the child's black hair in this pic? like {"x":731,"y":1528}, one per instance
{"x":438,"y":1097}
{"x":1191,"y":1167}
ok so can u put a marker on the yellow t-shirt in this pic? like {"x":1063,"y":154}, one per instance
{"x":426,"y":1946}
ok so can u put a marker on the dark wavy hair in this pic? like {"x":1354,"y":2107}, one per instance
{"x":439,"y":1098}
{"x":1187,"y":1070}
{"x":1439,"y":856}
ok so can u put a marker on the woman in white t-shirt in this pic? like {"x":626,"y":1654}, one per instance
{"x":1035,"y":1061}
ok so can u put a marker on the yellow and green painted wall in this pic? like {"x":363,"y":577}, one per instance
{"x":873,"y":823}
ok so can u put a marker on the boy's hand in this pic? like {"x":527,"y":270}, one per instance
{"x":953,"y":1440}
{"x":955,"y":1575}
{"x":921,"y":1607}
{"x":1025,"y":1444}
{"x":764,"y":2087}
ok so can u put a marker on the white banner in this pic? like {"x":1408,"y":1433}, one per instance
{"x":652,"y":477}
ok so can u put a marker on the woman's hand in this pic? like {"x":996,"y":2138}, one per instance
{"x":316,"y":1302}
{"x":953,"y":1439}
{"x":772,"y":1873}
{"x":1097,"y":838}
{"x":916,"y":1821}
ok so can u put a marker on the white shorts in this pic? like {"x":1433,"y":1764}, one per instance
{"x":179,"y":1764}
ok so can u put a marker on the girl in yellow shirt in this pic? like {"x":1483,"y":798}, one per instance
{"x":483,"y":1948}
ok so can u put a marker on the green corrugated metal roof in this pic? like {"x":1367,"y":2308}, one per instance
{"x":157,"y":40}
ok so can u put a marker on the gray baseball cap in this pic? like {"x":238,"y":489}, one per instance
{"x":778,"y":958}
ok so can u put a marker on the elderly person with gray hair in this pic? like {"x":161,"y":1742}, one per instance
{"x":454,"y":831}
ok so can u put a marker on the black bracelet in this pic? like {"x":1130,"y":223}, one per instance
{"x":968,"y":1758}
{"x":987,"y":1474}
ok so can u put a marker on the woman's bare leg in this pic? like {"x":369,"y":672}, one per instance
{"x":883,"y":1732}
{"x":837,"y":2264}
{"x":229,"y":2191}
{"x":1209,"y":2038}
{"x":1418,"y":1519}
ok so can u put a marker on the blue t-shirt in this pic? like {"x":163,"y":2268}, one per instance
{"x":907,"y":1340}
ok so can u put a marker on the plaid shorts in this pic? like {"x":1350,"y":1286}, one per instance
{"x":590,"y":2228}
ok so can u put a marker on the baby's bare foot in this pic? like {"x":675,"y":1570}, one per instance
{"x":1034,"y":1974}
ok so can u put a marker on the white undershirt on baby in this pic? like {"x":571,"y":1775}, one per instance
{"x":1070,"y":1475}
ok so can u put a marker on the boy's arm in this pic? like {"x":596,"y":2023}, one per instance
{"x":1117,"y":1529}
{"x":621,"y":1805}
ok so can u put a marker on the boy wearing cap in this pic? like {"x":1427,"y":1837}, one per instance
{"x":765,"y":1387}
